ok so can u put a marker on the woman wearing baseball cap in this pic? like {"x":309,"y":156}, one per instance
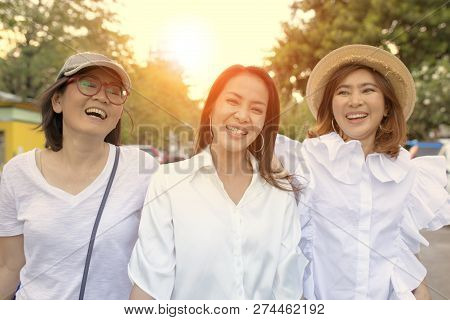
{"x":81,"y":190}
{"x":364,"y":200}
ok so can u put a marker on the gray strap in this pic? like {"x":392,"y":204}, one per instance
{"x":97,"y":222}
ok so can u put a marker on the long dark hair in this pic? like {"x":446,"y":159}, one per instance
{"x":262,"y":150}
{"x":52,"y":122}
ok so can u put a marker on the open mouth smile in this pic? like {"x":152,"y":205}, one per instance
{"x":356,"y":115}
{"x":236,"y":131}
{"x":96,"y":113}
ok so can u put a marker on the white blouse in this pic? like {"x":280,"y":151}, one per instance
{"x":361,"y":218}
{"x":196,"y":243}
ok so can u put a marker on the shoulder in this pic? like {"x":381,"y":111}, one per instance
{"x":275,"y":194}
{"x":174,"y":173}
{"x":428,"y":202}
{"x":137,"y":161}
{"x":288,"y":152}
{"x":18,"y":176}
{"x":282,"y":141}
{"x":330,"y":144}
{"x":332,"y":156}
{"x":20,"y":163}
{"x":432,"y":168}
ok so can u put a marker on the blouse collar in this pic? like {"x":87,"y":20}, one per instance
{"x":344,"y":160}
{"x":203,"y":162}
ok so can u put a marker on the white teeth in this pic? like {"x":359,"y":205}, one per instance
{"x":96,"y":112}
{"x":236,"y":130}
{"x":356,"y":115}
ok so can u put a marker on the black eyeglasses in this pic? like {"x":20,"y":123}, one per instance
{"x":91,"y":85}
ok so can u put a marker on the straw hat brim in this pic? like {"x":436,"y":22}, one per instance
{"x":377,"y":59}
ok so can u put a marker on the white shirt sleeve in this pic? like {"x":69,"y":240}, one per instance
{"x":288,"y":152}
{"x":152,"y":264}
{"x":291,"y":262}
{"x":9,"y":224}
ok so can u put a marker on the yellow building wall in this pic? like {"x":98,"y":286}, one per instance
{"x":20,"y":137}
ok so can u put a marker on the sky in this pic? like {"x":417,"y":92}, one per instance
{"x":204,"y":36}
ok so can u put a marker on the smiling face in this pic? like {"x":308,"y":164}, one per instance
{"x":92,"y":115}
{"x":359,"y":106}
{"x":239,"y":112}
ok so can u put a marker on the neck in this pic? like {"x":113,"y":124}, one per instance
{"x":368,"y":146}
{"x":81,"y":151}
{"x":230,"y":163}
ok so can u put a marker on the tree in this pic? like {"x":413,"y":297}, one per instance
{"x":416,"y":29}
{"x":159,"y":105}
{"x":39,"y":35}
{"x":433,"y":95}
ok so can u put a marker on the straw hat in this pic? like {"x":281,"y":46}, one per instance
{"x":378,"y":59}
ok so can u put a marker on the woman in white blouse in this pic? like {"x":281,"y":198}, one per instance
{"x":219,"y":225}
{"x":365,"y":200}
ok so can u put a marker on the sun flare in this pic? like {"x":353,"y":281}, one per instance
{"x":189,"y":44}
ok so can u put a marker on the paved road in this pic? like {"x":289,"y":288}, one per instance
{"x":436,"y":259}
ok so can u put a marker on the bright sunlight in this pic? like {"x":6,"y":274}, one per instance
{"x":189,"y":44}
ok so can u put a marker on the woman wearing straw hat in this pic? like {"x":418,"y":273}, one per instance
{"x":81,"y":189}
{"x":365,"y":200}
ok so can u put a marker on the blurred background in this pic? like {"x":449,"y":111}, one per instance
{"x":174,"y":49}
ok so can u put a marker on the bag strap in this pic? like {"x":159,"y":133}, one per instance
{"x":97,"y":222}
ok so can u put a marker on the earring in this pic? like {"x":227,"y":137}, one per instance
{"x":210,"y":130}
{"x":262,"y":144}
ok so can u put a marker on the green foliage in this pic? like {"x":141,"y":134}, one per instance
{"x":433,"y":97}
{"x":418,"y":29}
{"x":295,"y":119}
{"x":41,"y":34}
{"x":159,"y":104}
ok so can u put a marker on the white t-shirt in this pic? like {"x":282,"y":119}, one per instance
{"x":361,"y":218}
{"x":57,"y":226}
{"x":196,"y":243}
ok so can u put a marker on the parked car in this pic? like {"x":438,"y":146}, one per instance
{"x":423,"y":148}
{"x":169,"y":158}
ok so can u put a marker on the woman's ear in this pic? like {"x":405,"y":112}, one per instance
{"x":56,"y":102}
